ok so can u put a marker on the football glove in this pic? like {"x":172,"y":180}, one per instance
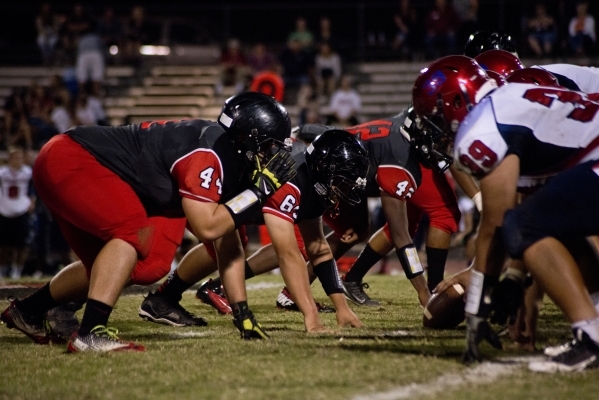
{"x":277,"y":171}
{"x":477,"y":329}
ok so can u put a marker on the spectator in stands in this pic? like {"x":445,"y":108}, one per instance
{"x":111,"y":30}
{"x":39,"y":105}
{"x":16,"y":128}
{"x":137,"y":32}
{"x":345,"y":105}
{"x":582,"y":30}
{"x":90,"y":60}
{"x":234,"y":67}
{"x":442,"y":24}
{"x":302,"y":35}
{"x":16,"y":204}
{"x":327,"y":70}
{"x":61,"y":115}
{"x":405,"y":22}
{"x":47,"y":24}
{"x":89,"y":109}
{"x":541,"y":31}
{"x":261,"y":59}
{"x":77,"y":22}
{"x":325,"y":34}
{"x":296,"y":69}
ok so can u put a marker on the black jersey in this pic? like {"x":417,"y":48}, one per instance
{"x":394,"y":168}
{"x":166,"y":160}
{"x":296,"y":200}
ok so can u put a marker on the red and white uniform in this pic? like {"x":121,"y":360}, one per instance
{"x":14,"y":190}
{"x":549,"y":129}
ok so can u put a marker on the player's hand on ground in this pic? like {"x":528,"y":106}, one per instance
{"x":477,"y":330}
{"x":320,"y":329}
{"x":275,"y":173}
{"x":347,"y":318}
{"x":506,"y":299}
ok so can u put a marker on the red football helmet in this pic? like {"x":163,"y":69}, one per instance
{"x":535,"y":76}
{"x":499,"y":79}
{"x":447,"y":90}
{"x":501,"y":61}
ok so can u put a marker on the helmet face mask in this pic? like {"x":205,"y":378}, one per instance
{"x":338,"y":166}
{"x":429,"y":139}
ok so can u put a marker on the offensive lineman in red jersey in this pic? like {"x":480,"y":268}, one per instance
{"x":500,"y":135}
{"x":332,"y":170}
{"x":122,"y":196}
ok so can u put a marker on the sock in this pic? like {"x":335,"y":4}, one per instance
{"x":248,"y":271}
{"x":436,"y":259}
{"x":590,"y":327}
{"x":38,"y":302}
{"x":173,"y":287}
{"x":240,"y":308}
{"x":367,"y":258}
{"x":96,"y":313}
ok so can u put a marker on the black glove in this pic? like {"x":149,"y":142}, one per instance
{"x":477,"y":329}
{"x":506,"y":299}
{"x":277,"y":171}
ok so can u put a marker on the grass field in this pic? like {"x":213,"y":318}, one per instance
{"x":393,"y":357}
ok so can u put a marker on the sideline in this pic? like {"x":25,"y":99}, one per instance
{"x":484,"y":373}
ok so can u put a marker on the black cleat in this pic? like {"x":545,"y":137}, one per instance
{"x":30,"y":325}
{"x":581,"y":354}
{"x":163,"y":310}
{"x":354,"y":292}
{"x":61,"y":321}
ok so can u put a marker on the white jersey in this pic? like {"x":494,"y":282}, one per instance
{"x":574,"y":77}
{"x":549,"y":129}
{"x":14,"y":187}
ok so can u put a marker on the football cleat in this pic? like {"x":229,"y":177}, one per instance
{"x":214,"y":295}
{"x":102,"y":340}
{"x":164,"y":310}
{"x":61,"y":321}
{"x":30,"y":325}
{"x":248,"y":327}
{"x":354,"y":292}
{"x":583,"y":353}
{"x":553,"y":351}
{"x":285,"y":302}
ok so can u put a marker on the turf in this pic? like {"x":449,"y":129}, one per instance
{"x":392,"y":351}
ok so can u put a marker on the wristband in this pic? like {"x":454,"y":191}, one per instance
{"x":408,"y":258}
{"x":244,"y":205}
{"x":478,"y":201}
{"x":478,"y":299}
{"x":329,"y":277}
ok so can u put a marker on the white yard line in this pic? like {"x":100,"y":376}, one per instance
{"x":484,"y":373}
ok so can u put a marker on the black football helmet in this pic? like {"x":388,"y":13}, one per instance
{"x":338,"y":165}
{"x":257,"y":123}
{"x":482,"y":41}
{"x":431,"y":145}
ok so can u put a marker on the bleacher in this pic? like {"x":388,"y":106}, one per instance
{"x":183,"y":91}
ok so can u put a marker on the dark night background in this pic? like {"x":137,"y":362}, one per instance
{"x":211,"y":21}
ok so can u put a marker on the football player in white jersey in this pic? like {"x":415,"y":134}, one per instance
{"x":499,"y":135}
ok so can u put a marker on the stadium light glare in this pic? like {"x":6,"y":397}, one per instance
{"x":148,"y":50}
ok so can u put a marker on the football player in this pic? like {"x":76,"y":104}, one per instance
{"x":499,"y":135}
{"x":122,"y":197}
{"x":331,"y":171}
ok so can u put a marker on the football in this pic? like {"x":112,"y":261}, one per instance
{"x":445,"y":310}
